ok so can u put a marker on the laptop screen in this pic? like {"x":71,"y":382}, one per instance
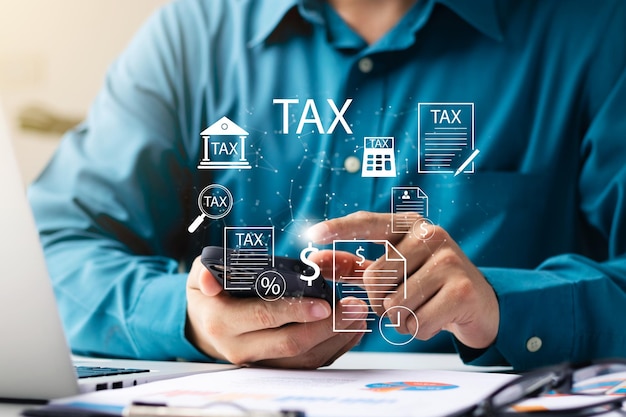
{"x":34,"y":357}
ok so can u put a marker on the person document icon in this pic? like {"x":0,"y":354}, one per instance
{"x":408,"y":205}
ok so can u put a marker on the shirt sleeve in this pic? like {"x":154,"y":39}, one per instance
{"x":572,"y":306}
{"x":110,"y":208}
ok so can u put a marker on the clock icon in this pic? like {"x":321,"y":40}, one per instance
{"x":387,"y":328}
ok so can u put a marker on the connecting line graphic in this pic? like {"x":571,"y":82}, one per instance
{"x":292,"y":220}
{"x":320,"y":160}
{"x":259,"y":160}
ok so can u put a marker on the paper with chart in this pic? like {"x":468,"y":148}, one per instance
{"x":445,"y":138}
{"x":319,"y":393}
{"x":389,"y":280}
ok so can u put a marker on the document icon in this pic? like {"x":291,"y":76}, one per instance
{"x":252,"y":252}
{"x":387,"y":279}
{"x":408,"y":204}
{"x":445,"y":138}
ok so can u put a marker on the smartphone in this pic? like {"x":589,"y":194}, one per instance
{"x":287,"y":278}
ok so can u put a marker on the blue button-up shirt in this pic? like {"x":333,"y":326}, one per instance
{"x":541,"y":210}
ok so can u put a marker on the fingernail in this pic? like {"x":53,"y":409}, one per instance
{"x":319,"y":310}
{"x":318,"y":232}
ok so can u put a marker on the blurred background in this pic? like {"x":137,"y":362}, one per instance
{"x":53,"y":57}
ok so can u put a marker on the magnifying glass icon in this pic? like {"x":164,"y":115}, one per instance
{"x":214,"y":201}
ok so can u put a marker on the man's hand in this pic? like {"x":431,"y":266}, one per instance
{"x":286,"y":333}
{"x":444,"y":289}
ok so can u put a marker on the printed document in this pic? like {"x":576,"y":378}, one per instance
{"x":319,"y":393}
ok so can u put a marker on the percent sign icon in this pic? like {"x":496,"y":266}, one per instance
{"x":270,"y":285}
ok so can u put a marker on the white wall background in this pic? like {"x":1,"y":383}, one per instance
{"x":54,"y":53}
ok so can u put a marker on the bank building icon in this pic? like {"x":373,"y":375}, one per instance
{"x":224,"y":146}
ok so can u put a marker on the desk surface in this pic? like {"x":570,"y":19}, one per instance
{"x":438,"y":361}
{"x":12,"y":410}
{"x":354,"y":360}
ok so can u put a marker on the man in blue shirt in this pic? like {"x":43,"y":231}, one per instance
{"x":526,"y":264}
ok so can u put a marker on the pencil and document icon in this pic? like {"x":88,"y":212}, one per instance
{"x":446,"y":138}
{"x":408,"y":205}
{"x":389,"y":280}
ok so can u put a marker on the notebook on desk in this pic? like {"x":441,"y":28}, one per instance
{"x":35,"y":361}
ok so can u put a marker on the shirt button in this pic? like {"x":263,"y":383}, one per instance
{"x":533,"y":344}
{"x":366,"y":65}
{"x":352,"y":164}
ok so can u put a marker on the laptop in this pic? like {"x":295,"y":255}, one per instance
{"x":35,"y":360}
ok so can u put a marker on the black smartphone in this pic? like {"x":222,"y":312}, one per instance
{"x":242,"y":275}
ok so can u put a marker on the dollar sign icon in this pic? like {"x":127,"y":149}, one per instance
{"x":424,"y":229}
{"x":306,"y":261}
{"x":359,"y":253}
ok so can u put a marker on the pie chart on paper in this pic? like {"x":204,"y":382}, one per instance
{"x":409,"y":386}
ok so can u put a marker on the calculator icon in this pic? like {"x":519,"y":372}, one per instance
{"x":378,"y":157}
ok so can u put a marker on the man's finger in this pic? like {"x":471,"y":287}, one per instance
{"x":359,"y":225}
{"x":200,"y":278}
{"x":296,"y":340}
{"x":323,"y":354}
{"x":339,"y":264}
{"x":263,"y":314}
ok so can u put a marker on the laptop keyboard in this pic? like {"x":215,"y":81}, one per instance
{"x":93,"y":371}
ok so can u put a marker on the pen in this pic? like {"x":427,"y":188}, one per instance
{"x":467,"y":162}
{"x":142,"y":410}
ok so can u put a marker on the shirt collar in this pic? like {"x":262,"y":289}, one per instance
{"x":273,"y":15}
{"x":268,"y":17}
{"x":482,"y":14}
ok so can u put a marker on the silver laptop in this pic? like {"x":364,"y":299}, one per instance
{"x":35,"y":361}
